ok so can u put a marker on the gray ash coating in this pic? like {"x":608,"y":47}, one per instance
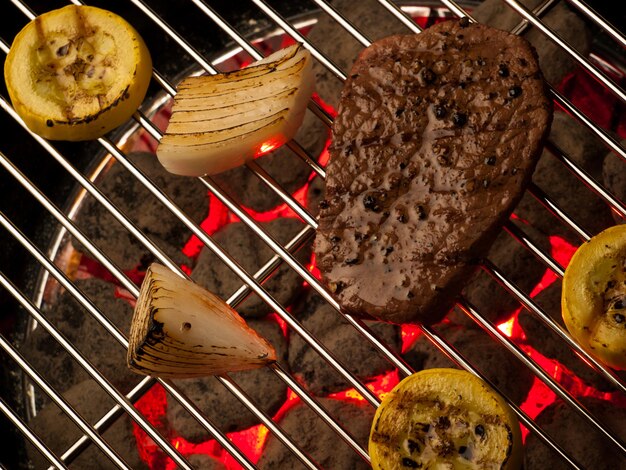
{"x":252,"y":252}
{"x":589,"y":449}
{"x":354,"y":351}
{"x":313,"y":436}
{"x":150,"y":216}
{"x":510,"y":376}
{"x":565,"y":189}
{"x":614,"y":178}
{"x":517,"y":263}
{"x":86,"y":334}
{"x":413,"y":200}
{"x":221,"y":406}
{"x":59,"y":432}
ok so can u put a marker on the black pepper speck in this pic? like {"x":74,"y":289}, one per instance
{"x":459,"y":119}
{"x":515,"y":91}
{"x":440,"y":111}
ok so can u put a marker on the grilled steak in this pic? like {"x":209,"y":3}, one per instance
{"x":437,"y":135}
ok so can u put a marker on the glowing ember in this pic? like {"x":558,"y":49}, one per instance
{"x":267,"y":147}
{"x":507,"y":327}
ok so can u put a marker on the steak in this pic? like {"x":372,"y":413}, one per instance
{"x":436,"y":137}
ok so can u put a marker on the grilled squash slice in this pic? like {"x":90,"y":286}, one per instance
{"x":593,"y":300}
{"x":444,"y":418}
{"x":77,"y":72}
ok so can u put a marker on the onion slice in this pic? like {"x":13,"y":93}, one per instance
{"x":180,"y":330}
{"x":221,"y":121}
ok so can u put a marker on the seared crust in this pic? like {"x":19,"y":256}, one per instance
{"x":436,"y":137}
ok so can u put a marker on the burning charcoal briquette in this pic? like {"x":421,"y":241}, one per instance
{"x":313,"y":436}
{"x":59,"y":432}
{"x":519,"y":265}
{"x":585,"y":207}
{"x":577,"y":437}
{"x":87,"y":334}
{"x":551,"y":345}
{"x":252,"y":253}
{"x":221,"y":406}
{"x":289,"y":170}
{"x":614,"y":178}
{"x":337,"y":43}
{"x":352,"y":349}
{"x":205,"y":462}
{"x":150,"y":216}
{"x":555,"y":62}
{"x":508,"y":374}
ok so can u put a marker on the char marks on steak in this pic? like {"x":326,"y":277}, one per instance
{"x":437,"y":135}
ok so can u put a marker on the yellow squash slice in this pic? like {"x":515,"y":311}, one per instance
{"x":77,"y":72}
{"x":444,"y":419}
{"x":594,"y":296}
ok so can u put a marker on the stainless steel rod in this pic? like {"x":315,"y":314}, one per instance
{"x":33,"y":438}
{"x":456,"y":357}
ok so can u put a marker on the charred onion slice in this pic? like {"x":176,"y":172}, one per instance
{"x":219,"y":122}
{"x":77,"y":72}
{"x":181,"y":330}
{"x":444,"y":418}
{"x":594,"y":296}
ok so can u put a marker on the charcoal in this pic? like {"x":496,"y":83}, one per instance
{"x":551,"y":345}
{"x":150,"y":216}
{"x":555,"y":62}
{"x":289,"y":170}
{"x":615,"y":178}
{"x":204,"y":462}
{"x":222,"y":407}
{"x":315,"y":195}
{"x":59,"y":432}
{"x":86,"y":334}
{"x":518,"y":264}
{"x":586,"y":208}
{"x":252,"y":253}
{"x":313,"y":436}
{"x":340,"y":46}
{"x":577,"y":437}
{"x":508,"y":374}
{"x":354,"y":351}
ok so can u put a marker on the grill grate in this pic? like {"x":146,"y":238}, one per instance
{"x":252,"y":282}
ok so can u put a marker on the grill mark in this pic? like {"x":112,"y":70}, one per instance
{"x":288,"y":92}
{"x":184,"y":146}
{"x":216,"y":131}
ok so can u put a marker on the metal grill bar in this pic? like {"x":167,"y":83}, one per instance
{"x":589,"y":67}
{"x":226,"y":381}
{"x":285,"y":440}
{"x":78,"y":357}
{"x":613,"y":378}
{"x":30,"y":435}
{"x":360,"y":326}
{"x":539,"y":372}
{"x":42,"y":383}
{"x":599,"y":20}
{"x":144,"y":122}
{"x":457,"y":358}
{"x":108,"y":419}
